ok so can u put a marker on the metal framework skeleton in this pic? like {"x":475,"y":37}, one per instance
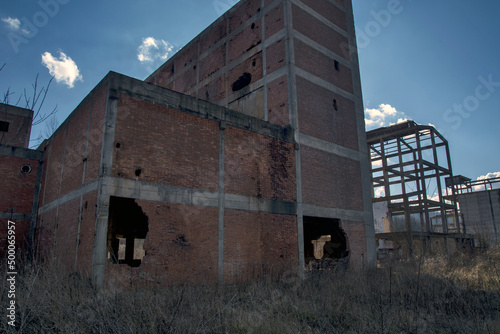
{"x":410,"y":163}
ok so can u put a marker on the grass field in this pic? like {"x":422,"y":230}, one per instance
{"x":426,"y":295}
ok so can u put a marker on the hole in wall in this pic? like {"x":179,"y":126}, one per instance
{"x":336,"y":65}
{"x":243,"y":81}
{"x":335,"y":105}
{"x":325,"y":243}
{"x":127,"y":230}
{"x":4,"y":126}
{"x":118,"y":145}
{"x":138,"y":172}
{"x":25,"y":169}
{"x":253,"y":26}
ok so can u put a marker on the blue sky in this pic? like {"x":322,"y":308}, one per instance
{"x":435,"y":62}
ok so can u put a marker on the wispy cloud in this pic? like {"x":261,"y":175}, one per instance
{"x":153,"y":49}
{"x":12,"y":23}
{"x":384,"y":115}
{"x":64,"y":69}
{"x":15,"y":25}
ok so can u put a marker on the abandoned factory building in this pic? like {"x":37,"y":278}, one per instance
{"x":244,"y":153}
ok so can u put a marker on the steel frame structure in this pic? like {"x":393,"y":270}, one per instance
{"x":405,"y":161}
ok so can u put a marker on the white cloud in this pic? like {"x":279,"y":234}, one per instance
{"x":379,"y":192}
{"x":481,"y":186}
{"x":489,"y":176}
{"x":153,"y":49}
{"x":384,"y":115}
{"x":63,"y":69}
{"x":13,"y":24}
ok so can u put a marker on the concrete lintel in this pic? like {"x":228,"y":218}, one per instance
{"x":239,"y":202}
{"x":329,"y":147}
{"x":69,"y":197}
{"x":15,"y":216}
{"x":327,"y":52}
{"x":326,"y":212}
{"x":14,"y":110}
{"x":120,"y":187}
{"x":325,"y":84}
{"x":21,"y":152}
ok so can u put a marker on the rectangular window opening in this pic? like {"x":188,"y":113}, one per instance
{"x":4,"y":126}
{"x":127,"y":230}
{"x":336,"y":64}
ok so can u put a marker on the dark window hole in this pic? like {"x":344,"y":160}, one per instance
{"x":242,"y":82}
{"x":127,"y":230}
{"x":4,"y":126}
{"x":25,"y":169}
{"x":325,"y":243}
{"x":336,"y":65}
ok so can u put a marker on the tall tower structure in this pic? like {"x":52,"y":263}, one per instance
{"x":294,"y":63}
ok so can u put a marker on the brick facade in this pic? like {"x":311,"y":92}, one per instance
{"x":204,"y":171}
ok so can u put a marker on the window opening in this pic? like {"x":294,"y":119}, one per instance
{"x":127,"y":230}
{"x":4,"y":126}
{"x":325,"y":243}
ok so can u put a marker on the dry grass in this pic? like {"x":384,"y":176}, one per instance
{"x":431,"y":295}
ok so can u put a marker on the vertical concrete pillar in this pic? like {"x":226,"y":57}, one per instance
{"x":101,"y":224}
{"x":221,"y":202}
{"x":371,"y":247}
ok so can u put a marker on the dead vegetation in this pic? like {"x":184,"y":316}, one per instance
{"x":434,"y":295}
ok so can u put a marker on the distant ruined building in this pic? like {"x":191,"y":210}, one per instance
{"x":244,"y":154}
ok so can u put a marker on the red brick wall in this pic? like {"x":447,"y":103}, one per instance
{"x":16,"y":196}
{"x":210,"y":73}
{"x":19,"y":126}
{"x":276,"y":56}
{"x":99,"y":102}
{"x":331,"y":180}
{"x":257,"y":243}
{"x":68,"y":146}
{"x":356,"y":242}
{"x":44,"y":235}
{"x":329,"y":11}
{"x":323,"y":66}
{"x":274,"y":20}
{"x":318,"y":117}
{"x":87,"y":227}
{"x":170,"y":146}
{"x":16,"y":188}
{"x":181,"y":247}
{"x":316,"y":30}
{"x":258,"y":166}
{"x":277,"y":101}
{"x":74,"y":150}
{"x":66,"y":233}
{"x":53,"y":162}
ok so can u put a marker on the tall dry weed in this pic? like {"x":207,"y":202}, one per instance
{"x":428,"y":295}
